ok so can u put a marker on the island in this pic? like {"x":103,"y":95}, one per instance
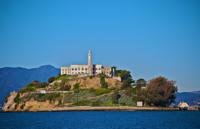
{"x":93,"y":87}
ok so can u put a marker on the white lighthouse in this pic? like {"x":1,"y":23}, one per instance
{"x":90,"y":65}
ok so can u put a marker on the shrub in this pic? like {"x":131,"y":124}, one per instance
{"x":101,"y":91}
{"x":91,"y":90}
{"x":63,"y":77}
{"x":44,"y":97}
{"x":40,"y":97}
{"x":17,"y":98}
{"x":96,"y":103}
{"x":25,"y":98}
{"x":76,"y":88}
{"x":28,"y":88}
{"x":57,"y":86}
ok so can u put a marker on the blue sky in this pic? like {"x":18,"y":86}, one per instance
{"x":150,"y":38}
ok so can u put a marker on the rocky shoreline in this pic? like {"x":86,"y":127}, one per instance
{"x":103,"y":108}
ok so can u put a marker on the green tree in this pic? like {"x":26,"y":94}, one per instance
{"x":127,"y":83}
{"x":160,"y":91}
{"x":140,"y":83}
{"x":103,"y":83}
{"x":124,"y":74}
{"x":126,"y":78}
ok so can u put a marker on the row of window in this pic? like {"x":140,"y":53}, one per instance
{"x":73,"y":73}
{"x":75,"y":69}
{"x":78,"y":69}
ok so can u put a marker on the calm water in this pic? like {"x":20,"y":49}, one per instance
{"x":101,"y":120}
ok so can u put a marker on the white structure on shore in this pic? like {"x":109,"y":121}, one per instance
{"x":183,"y":106}
{"x":86,"y":69}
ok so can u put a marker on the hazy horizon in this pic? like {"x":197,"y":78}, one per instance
{"x":149,"y":38}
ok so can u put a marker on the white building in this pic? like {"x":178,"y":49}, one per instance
{"x":86,"y":69}
{"x":139,"y":103}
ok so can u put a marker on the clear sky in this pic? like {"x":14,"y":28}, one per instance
{"x":150,"y":38}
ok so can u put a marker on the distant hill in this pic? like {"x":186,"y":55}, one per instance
{"x":12,"y":79}
{"x":192,"y":98}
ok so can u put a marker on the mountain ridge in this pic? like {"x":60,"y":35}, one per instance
{"x":192,"y":98}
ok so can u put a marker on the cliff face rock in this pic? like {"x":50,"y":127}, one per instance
{"x":31,"y":105}
{"x":10,"y":104}
{"x":113,"y":82}
{"x":94,"y":82}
